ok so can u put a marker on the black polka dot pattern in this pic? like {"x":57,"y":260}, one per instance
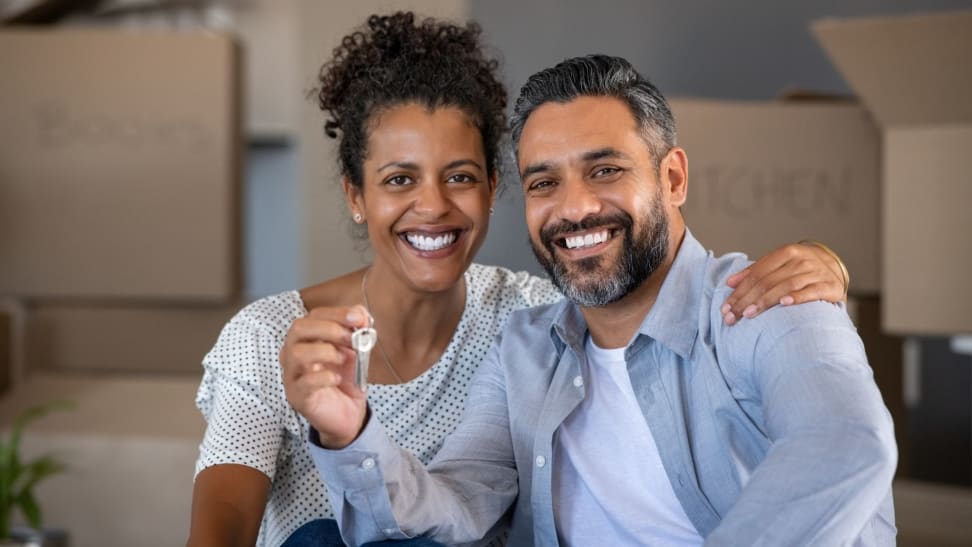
{"x":250,"y":422}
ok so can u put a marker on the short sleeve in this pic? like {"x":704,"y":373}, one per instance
{"x":242,"y":399}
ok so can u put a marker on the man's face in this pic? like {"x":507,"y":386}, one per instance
{"x":596,"y":213}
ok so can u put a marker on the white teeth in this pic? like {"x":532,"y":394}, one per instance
{"x":428,"y":243}
{"x":588,"y":240}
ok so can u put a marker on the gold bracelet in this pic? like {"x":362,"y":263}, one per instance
{"x":844,"y":274}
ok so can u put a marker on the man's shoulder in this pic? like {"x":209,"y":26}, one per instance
{"x":772,"y":324}
{"x":718,"y":268}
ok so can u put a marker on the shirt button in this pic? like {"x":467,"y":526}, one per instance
{"x":578,"y":381}
{"x":389,"y":531}
{"x":368,"y":463}
{"x":541,"y":461}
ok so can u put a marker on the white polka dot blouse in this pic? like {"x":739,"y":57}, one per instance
{"x":249,"y":421}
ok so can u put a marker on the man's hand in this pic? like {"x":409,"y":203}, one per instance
{"x":318,"y":373}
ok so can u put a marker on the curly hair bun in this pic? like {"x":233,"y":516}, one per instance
{"x":393,"y":59}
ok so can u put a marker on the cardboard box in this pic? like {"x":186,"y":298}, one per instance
{"x":122,"y":338}
{"x":913,"y":73}
{"x":119,"y":165}
{"x":763,"y":174}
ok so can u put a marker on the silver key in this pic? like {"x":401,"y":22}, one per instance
{"x":363,"y":341}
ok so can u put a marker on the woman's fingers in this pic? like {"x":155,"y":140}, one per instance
{"x":792,"y":274}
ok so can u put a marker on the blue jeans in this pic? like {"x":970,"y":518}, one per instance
{"x":325,"y":533}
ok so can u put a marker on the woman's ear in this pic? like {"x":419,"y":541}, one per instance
{"x":354,"y":199}
{"x":493,"y":189}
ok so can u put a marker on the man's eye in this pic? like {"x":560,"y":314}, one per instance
{"x":398,"y":180}
{"x":605,"y":171}
{"x":540,"y":185}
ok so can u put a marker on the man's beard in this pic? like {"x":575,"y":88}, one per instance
{"x":641,"y":255}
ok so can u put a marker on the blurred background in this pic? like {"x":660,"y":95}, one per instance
{"x":163,"y":162}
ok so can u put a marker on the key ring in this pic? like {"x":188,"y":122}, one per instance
{"x":363,"y":340}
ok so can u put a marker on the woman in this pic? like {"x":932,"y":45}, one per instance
{"x":420,"y":111}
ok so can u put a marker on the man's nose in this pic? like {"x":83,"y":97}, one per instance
{"x":578,"y":200}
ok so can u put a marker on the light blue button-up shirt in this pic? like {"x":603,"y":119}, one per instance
{"x":772,"y":432}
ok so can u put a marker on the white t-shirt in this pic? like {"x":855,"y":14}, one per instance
{"x":609,"y":484}
{"x":250,"y":422}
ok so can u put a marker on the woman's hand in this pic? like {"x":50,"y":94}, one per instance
{"x":318,"y":373}
{"x":792,"y":274}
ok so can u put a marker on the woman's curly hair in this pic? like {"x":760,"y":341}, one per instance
{"x":393,"y":60}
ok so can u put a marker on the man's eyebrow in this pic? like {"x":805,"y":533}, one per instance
{"x":536,"y":168}
{"x":603,"y":153}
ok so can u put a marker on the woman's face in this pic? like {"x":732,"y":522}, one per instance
{"x":426,"y":194}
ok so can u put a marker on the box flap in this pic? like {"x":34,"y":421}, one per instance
{"x":908,"y":70}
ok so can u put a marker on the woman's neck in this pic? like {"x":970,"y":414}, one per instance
{"x":414,"y":327}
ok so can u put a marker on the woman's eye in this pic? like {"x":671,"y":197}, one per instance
{"x":398,"y":180}
{"x":461,"y":177}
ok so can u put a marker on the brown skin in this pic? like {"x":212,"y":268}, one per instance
{"x":227,"y":506}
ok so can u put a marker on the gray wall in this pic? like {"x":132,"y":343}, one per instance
{"x":271,"y":231}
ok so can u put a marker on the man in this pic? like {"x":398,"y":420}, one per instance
{"x":631,"y":414}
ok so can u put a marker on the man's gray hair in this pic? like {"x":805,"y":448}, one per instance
{"x":599,"y":76}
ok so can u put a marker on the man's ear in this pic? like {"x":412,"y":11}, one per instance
{"x":354,"y":199}
{"x":674,"y":173}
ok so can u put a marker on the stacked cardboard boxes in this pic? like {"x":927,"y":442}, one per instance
{"x":913,"y":74}
{"x":120,"y":177}
{"x":120,"y":242}
{"x":886,"y":183}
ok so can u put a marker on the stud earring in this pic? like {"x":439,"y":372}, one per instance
{"x":491,"y":211}
{"x":357,"y":218}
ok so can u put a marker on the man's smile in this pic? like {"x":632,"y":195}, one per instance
{"x":585,"y":240}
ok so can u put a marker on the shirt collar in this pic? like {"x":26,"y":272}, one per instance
{"x":673,"y":319}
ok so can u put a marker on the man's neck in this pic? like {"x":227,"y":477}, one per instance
{"x":614,"y":325}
